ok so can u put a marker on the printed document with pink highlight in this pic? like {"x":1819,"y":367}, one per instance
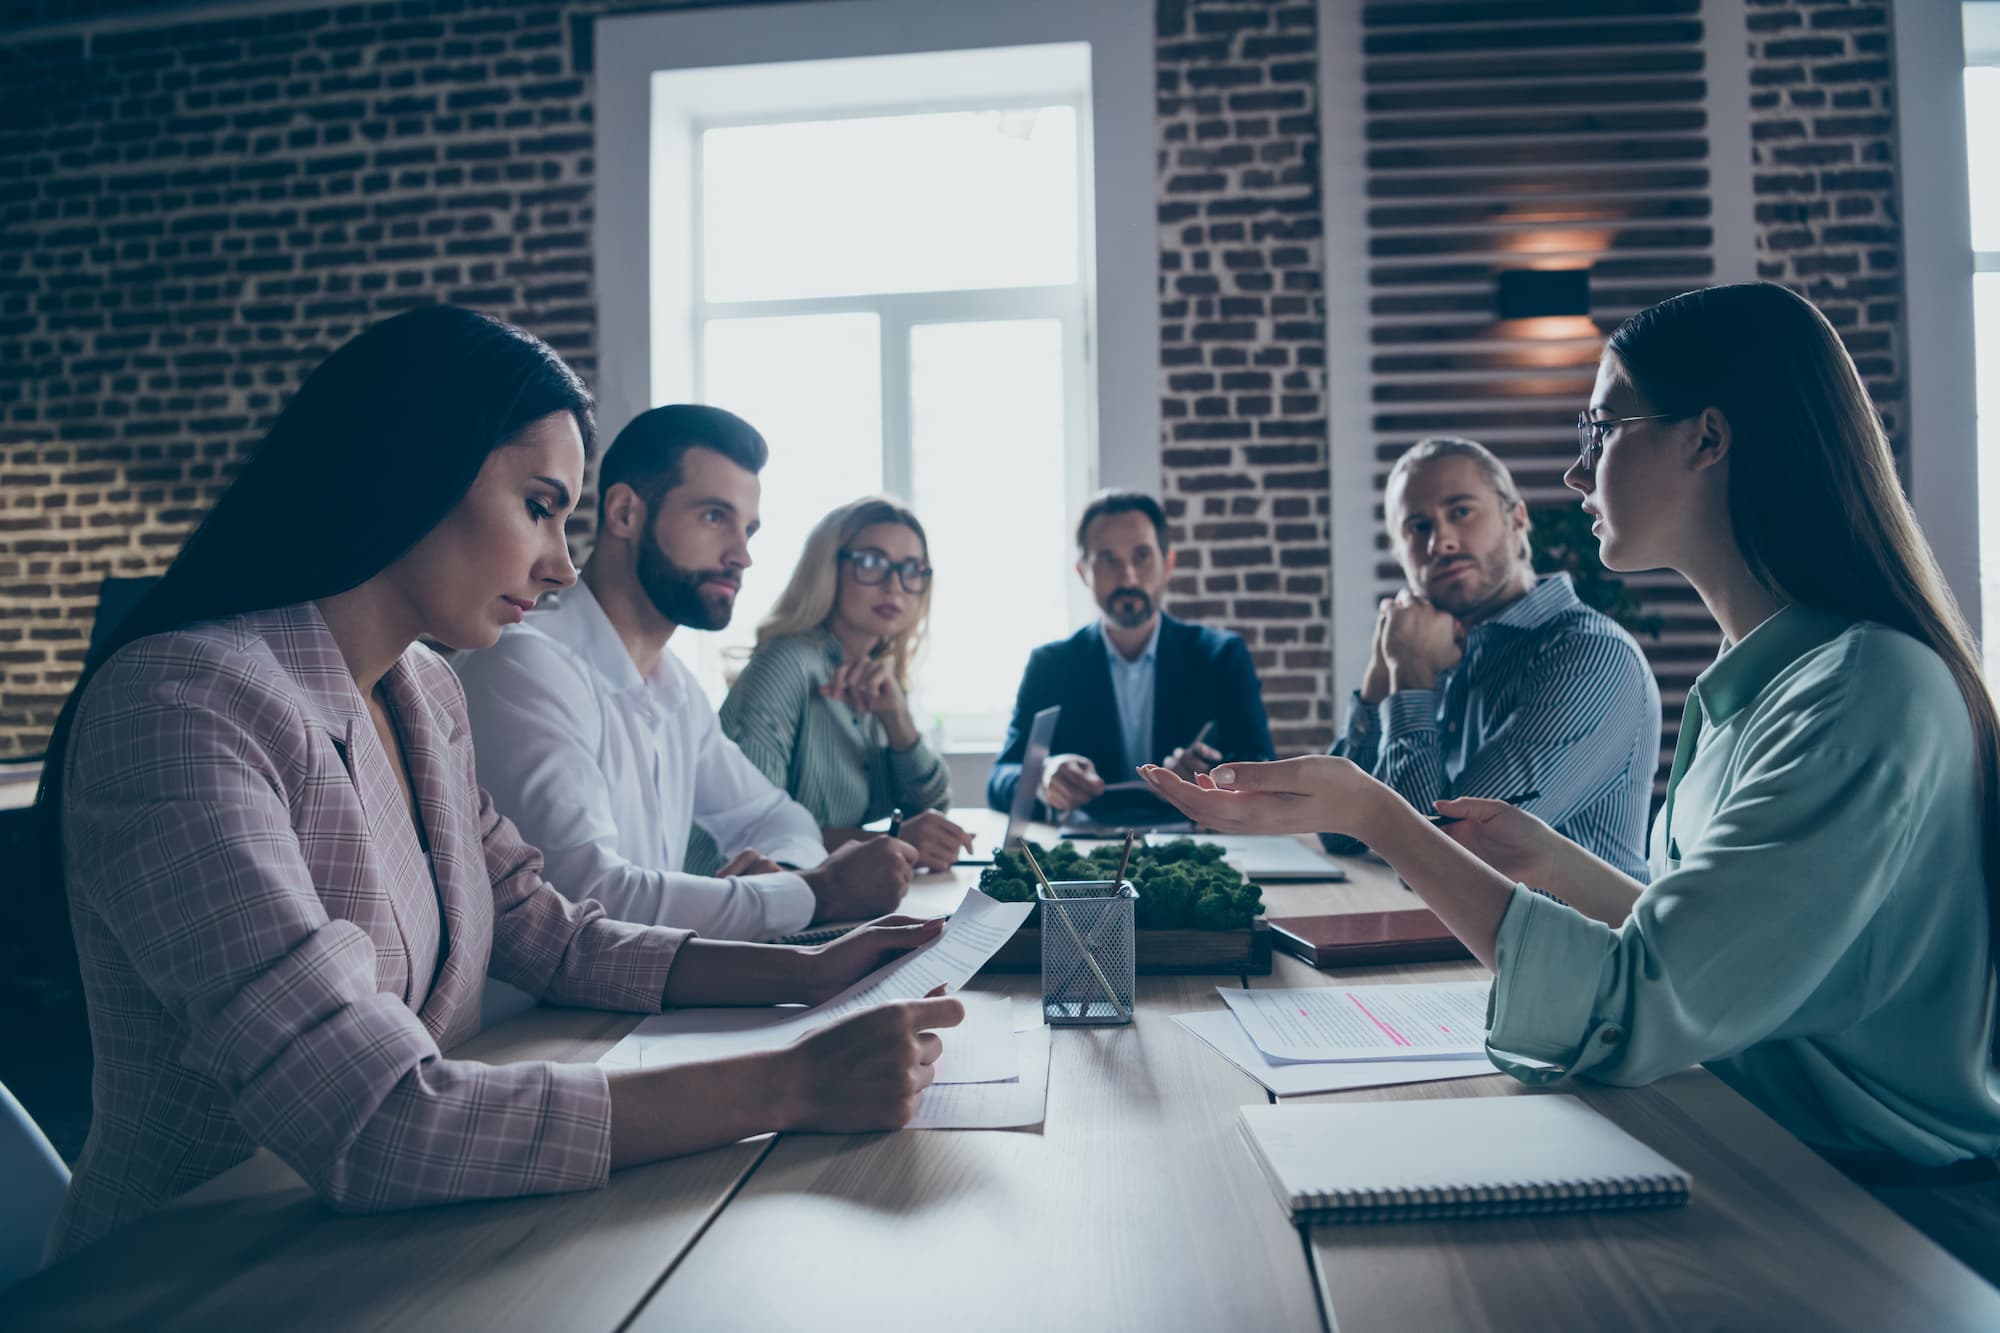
{"x":1436,"y":1021}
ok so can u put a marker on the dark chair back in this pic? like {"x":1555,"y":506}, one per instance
{"x":116,"y":597}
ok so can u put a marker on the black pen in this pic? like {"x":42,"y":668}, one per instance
{"x":896,"y":821}
{"x":1199,"y":737}
{"x":1521,"y":798}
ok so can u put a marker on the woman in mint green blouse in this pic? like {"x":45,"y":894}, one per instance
{"x":822,"y":706}
{"x":1820,"y":926}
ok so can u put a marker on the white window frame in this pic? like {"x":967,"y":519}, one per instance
{"x":1939,"y":365}
{"x":897,"y":313}
{"x":651,"y":82}
{"x":1981,"y":37}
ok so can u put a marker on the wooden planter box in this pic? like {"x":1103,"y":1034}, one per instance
{"x":1183,"y":951}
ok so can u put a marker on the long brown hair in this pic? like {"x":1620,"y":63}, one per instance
{"x":1813,"y":500}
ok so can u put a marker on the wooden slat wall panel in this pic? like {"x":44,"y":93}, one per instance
{"x":1552,"y":134}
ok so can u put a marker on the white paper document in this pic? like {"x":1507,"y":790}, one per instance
{"x":972,"y":936}
{"x":1226,"y":1037}
{"x":1262,"y":856}
{"x":1015,"y":1104}
{"x":982,"y":1048}
{"x":1398,"y":1022}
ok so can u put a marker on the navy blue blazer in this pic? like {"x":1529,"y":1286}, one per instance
{"x":1200,"y":675}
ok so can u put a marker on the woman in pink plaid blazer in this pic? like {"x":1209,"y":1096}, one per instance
{"x":287,"y":887}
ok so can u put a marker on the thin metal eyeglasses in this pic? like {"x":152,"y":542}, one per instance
{"x":1590,"y":433}
{"x":872,"y":567}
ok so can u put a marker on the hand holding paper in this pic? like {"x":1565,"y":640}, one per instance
{"x":974,"y":933}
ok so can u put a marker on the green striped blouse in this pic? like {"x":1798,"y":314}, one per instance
{"x":834,"y":762}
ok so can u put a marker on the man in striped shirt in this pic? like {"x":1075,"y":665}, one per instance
{"x":1484,"y":680}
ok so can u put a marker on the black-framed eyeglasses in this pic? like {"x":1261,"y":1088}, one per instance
{"x":1590,"y":433}
{"x":872,"y":567}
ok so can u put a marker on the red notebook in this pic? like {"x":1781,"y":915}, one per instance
{"x":1358,"y":939}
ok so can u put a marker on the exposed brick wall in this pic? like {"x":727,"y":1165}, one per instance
{"x":1243,"y":330}
{"x":191,"y":217}
{"x":1823,"y":147}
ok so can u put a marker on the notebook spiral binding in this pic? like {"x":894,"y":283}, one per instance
{"x":1549,"y":1196}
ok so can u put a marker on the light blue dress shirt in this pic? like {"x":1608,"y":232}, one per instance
{"x":1132,"y":683}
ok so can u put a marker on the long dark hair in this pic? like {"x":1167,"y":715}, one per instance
{"x":1813,"y":498}
{"x":375,"y":448}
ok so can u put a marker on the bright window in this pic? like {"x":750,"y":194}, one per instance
{"x":1006,"y":545}
{"x":950,"y":200}
{"x":1982,"y":112}
{"x":897,"y":302}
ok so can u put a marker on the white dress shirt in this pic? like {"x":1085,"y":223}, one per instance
{"x":606,"y":771}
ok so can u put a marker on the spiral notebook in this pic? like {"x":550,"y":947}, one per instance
{"x":1458,"y":1157}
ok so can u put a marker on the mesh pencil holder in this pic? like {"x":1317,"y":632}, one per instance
{"x":1074,"y":993}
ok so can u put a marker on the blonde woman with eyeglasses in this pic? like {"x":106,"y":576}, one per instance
{"x":822,"y":706}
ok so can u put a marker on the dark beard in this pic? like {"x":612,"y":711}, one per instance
{"x":676,"y":592}
{"x":1118,"y":605}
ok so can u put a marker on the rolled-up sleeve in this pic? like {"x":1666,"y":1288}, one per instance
{"x":1727,"y":946}
{"x":1542,"y":1016}
{"x":181,"y":841}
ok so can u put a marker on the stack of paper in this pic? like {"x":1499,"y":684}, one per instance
{"x":969,"y":1090}
{"x":990,"y":1076}
{"x":1329,"y":1038}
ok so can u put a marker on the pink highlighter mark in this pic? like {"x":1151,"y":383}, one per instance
{"x":1393,"y":1035}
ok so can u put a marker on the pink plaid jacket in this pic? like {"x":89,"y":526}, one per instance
{"x":271,"y":958}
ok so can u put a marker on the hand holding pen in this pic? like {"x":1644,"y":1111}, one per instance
{"x":1517,"y":800}
{"x":939,"y":843}
{"x":1195,"y":757}
{"x":1506,"y":837}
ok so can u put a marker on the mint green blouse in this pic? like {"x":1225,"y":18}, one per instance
{"x":1816,"y":930}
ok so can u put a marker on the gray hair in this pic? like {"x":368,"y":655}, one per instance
{"x":1435,"y":447}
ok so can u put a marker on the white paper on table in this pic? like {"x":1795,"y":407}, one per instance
{"x":982,"y":1048}
{"x":1226,"y":1037}
{"x":1415,"y":1021}
{"x":972,"y":936}
{"x":1267,"y":856}
{"x":1012,"y":1105}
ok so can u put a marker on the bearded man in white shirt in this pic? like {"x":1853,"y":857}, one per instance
{"x":599,"y":744}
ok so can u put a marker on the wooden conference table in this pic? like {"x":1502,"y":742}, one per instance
{"x":1135,"y":1207}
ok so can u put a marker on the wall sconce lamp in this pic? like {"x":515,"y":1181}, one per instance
{"x":1536,"y":293}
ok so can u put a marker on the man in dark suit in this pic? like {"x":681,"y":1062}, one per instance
{"x":1137,"y":687}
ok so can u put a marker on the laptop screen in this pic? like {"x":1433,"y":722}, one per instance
{"x":1041,"y":734}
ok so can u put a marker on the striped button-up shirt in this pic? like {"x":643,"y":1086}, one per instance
{"x":835,"y":762}
{"x":1550,"y":697}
